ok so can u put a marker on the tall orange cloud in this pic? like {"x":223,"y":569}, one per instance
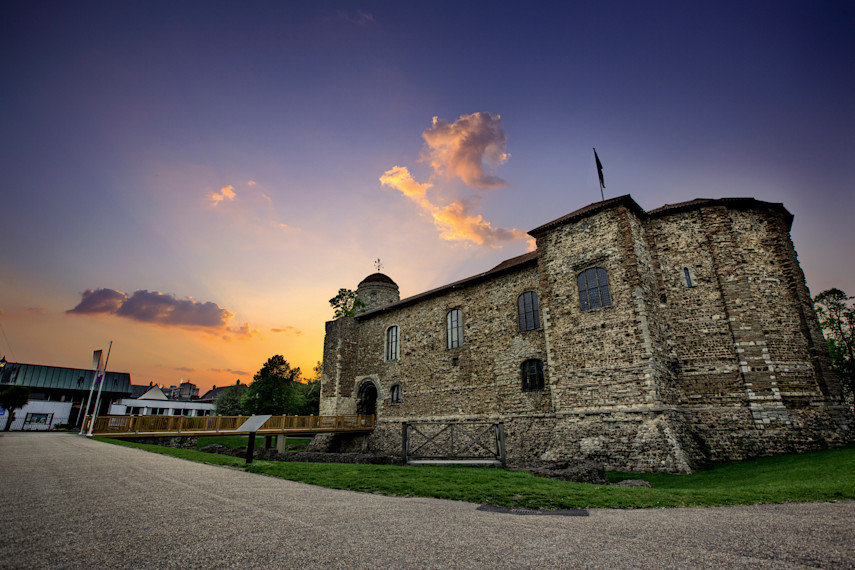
{"x":460,"y":149}
{"x":456,"y":224}
{"x":400,"y":178}
{"x":454,"y":221}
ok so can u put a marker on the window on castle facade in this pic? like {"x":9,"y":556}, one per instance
{"x":395,"y":393}
{"x":594,"y":289}
{"x":392,"y":343}
{"x":532,"y":375}
{"x":529,"y":312}
{"x":688,"y":281}
{"x":454,"y":328}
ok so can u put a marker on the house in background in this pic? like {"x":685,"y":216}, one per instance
{"x":154,"y":402}
{"x":57,"y":394}
{"x":184,"y":391}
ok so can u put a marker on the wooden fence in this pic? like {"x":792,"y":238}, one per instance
{"x":209,"y":425}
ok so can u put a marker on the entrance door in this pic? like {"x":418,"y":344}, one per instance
{"x":367,"y":403}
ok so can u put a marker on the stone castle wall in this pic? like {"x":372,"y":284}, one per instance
{"x":726,"y":363}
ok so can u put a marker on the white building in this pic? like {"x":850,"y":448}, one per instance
{"x":155,"y":403}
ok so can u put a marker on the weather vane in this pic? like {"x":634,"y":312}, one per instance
{"x":378,"y":265}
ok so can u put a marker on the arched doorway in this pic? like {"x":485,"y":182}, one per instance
{"x":366,"y":403}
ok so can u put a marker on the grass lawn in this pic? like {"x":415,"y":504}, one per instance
{"x":819,"y":476}
{"x":232,"y":441}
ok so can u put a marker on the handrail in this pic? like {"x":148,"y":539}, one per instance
{"x":192,"y":425}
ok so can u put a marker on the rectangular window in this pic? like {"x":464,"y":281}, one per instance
{"x":392,"y":343}
{"x":454,"y":329}
{"x":529,"y":313}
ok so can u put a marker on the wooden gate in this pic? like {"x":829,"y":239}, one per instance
{"x":479,"y":443}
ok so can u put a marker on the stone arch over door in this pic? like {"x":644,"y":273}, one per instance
{"x":366,"y":399}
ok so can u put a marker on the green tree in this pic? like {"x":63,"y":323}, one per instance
{"x":310,"y":392}
{"x":272,"y":390}
{"x":346,"y":304}
{"x":837,"y":318}
{"x":13,"y":398}
{"x":228,"y":402}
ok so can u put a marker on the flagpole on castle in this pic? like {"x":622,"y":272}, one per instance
{"x":100,"y":387}
{"x":600,"y":174}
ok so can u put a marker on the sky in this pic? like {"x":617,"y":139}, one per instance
{"x":194,"y":181}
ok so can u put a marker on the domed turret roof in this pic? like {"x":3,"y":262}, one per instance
{"x":377,"y":278}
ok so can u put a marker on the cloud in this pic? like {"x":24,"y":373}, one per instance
{"x":97,"y":301}
{"x":461,"y":148}
{"x":242,"y":332}
{"x":225,"y":192}
{"x":457,"y":224}
{"x":153,"y":307}
{"x":399,"y":177}
{"x":184,"y":369}
{"x":288,"y":330}
{"x":251,"y":182}
{"x":229,"y":371}
{"x":454,"y":221}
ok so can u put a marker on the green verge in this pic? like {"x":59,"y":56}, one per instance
{"x":819,"y":476}
{"x":243,"y":440}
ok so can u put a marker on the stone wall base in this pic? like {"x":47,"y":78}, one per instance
{"x":667,"y":441}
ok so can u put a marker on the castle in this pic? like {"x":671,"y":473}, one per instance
{"x":647,"y":341}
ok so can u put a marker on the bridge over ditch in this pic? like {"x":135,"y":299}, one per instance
{"x":187,"y":426}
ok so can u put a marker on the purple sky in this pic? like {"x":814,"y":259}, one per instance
{"x":194,"y":180}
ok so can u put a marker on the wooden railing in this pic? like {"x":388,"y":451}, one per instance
{"x":191,"y":425}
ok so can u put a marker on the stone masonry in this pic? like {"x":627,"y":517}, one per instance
{"x":709,"y":349}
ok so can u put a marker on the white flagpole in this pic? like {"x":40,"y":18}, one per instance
{"x":96,"y":365}
{"x":100,"y":387}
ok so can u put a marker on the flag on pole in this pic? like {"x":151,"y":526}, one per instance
{"x":96,"y":360}
{"x":599,"y":169}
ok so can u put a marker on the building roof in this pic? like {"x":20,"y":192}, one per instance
{"x":58,"y":378}
{"x":138,"y":390}
{"x":626,"y":200}
{"x":377,"y":278}
{"x":153,"y":393}
{"x":530,"y":258}
{"x":212,"y":394}
{"x":508,"y":266}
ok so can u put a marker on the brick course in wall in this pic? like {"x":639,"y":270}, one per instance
{"x":726,"y":363}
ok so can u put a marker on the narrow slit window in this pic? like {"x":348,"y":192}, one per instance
{"x":454,"y":328}
{"x":392,"y":343}
{"x":687,"y":274}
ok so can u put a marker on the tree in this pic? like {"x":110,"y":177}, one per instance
{"x":272,"y":390}
{"x":837,"y":318}
{"x":228,"y":402}
{"x":310,"y":392}
{"x":346,"y":304}
{"x":13,"y":398}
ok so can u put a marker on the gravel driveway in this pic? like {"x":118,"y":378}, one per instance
{"x":71,"y":502}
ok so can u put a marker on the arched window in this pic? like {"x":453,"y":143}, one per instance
{"x":594,"y":289}
{"x":528,"y":311}
{"x":454,"y":328}
{"x":392,"y":343}
{"x":395,"y":393}
{"x":532,"y":375}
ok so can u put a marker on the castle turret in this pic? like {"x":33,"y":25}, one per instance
{"x":377,"y":290}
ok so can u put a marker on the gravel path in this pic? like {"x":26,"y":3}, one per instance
{"x":71,"y":502}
